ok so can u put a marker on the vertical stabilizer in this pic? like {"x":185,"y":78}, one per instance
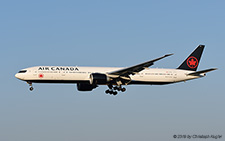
{"x":192,"y":61}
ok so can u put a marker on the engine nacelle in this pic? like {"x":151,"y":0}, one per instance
{"x":99,"y":78}
{"x":85,"y":87}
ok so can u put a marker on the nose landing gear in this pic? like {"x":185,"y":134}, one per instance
{"x":31,"y":87}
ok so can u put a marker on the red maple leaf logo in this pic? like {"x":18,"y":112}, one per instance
{"x":41,"y":75}
{"x":192,"y":62}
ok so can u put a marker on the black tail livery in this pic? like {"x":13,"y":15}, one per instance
{"x":191,"y":63}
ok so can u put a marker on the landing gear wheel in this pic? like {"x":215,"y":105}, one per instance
{"x":123,"y":89}
{"x":31,"y":88}
{"x":107,"y":91}
{"x":117,"y":88}
{"x":115,"y":93}
{"x":114,"y":90}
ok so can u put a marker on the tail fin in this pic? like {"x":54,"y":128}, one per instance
{"x":191,"y":63}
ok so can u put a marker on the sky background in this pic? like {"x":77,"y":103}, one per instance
{"x":114,"y":33}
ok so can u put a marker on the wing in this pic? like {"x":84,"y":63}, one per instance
{"x":137,"y":68}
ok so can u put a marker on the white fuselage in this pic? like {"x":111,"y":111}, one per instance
{"x":74,"y":74}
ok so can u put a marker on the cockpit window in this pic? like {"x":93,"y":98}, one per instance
{"x":22,"y":71}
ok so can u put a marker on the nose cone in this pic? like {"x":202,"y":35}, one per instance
{"x":18,"y":76}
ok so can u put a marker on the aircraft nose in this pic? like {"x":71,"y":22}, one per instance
{"x":18,"y":76}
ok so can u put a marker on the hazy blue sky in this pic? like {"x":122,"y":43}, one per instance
{"x":110,"y":33}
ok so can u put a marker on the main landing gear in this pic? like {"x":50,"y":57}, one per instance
{"x":113,"y":90}
{"x":31,"y":87}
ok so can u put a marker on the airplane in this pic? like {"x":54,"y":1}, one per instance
{"x":89,"y":78}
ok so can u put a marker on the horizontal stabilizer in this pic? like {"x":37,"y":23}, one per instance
{"x":203,"y":71}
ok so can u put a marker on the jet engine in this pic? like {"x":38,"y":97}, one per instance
{"x":85,"y":87}
{"x":99,"y":78}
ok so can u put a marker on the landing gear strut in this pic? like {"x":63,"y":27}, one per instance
{"x":31,"y":87}
{"x":113,"y":90}
{"x":119,"y":89}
